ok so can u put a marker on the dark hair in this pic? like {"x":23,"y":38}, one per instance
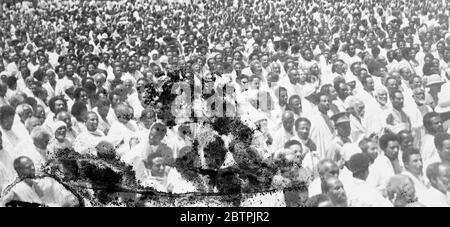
{"x":385,"y":139}
{"x":39,"y":75}
{"x":291,"y":143}
{"x":77,"y":109}
{"x":359,"y":163}
{"x":399,"y":135}
{"x":301,"y":119}
{"x":51,"y":103}
{"x":103,"y":102}
{"x":32,"y":102}
{"x":294,"y":97}
{"x":440,"y":138}
{"x":427,"y":119}
{"x":90,"y":87}
{"x":77,"y":93}
{"x":11,"y":81}
{"x":393,"y":92}
{"x":364,"y":79}
{"x":6,"y":111}
{"x":364,"y":145}
{"x":408,"y":152}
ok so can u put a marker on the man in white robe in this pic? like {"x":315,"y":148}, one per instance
{"x":153,"y":144}
{"x":414,"y":170}
{"x":360,"y":193}
{"x":37,"y":151}
{"x":123,"y":131}
{"x":383,"y":167}
{"x":436,"y":196}
{"x":44,"y":191}
{"x":7,"y":173}
{"x":322,"y":127}
{"x":86,"y":142}
{"x":433,"y":125}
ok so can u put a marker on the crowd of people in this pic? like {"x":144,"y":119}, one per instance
{"x":351,"y":96}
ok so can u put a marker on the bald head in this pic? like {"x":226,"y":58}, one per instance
{"x":65,"y":117}
{"x":327,"y":168}
{"x":288,"y":120}
{"x":24,"y":167}
{"x":334,"y":188}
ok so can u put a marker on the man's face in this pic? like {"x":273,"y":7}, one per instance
{"x":7,"y":123}
{"x":370,"y":85}
{"x":92,"y":122}
{"x":294,"y":76}
{"x":283,"y":98}
{"x":59,"y":106}
{"x":296,"y":105}
{"x":397,"y":101}
{"x":416,"y":83}
{"x":436,"y":125}
{"x":265,"y":61}
{"x":158,"y":167}
{"x":324,"y":103}
{"x":337,"y":192}
{"x":343,"y":91}
{"x":415,"y":164}
{"x":330,"y":170}
{"x":351,"y":50}
{"x":27,"y":169}
{"x":392,"y":150}
{"x":405,"y":74}
{"x":343,"y":129}
{"x":392,"y":84}
{"x":288,"y":123}
{"x":255,"y":83}
{"x":406,"y":141}
{"x":373,"y":151}
{"x":308,"y":55}
{"x":70,"y":70}
{"x":443,"y":178}
{"x":296,"y":150}
{"x":303,"y":130}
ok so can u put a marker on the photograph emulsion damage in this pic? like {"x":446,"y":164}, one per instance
{"x":239,"y":103}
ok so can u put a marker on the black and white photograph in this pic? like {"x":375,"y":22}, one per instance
{"x":225,"y":104}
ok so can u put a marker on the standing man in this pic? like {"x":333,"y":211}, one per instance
{"x":322,"y":128}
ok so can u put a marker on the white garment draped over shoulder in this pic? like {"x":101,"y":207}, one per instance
{"x":320,"y":134}
{"x":86,"y":141}
{"x":120,"y":135}
{"x":46,"y":191}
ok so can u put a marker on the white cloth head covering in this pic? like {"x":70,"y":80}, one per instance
{"x":56,"y":126}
